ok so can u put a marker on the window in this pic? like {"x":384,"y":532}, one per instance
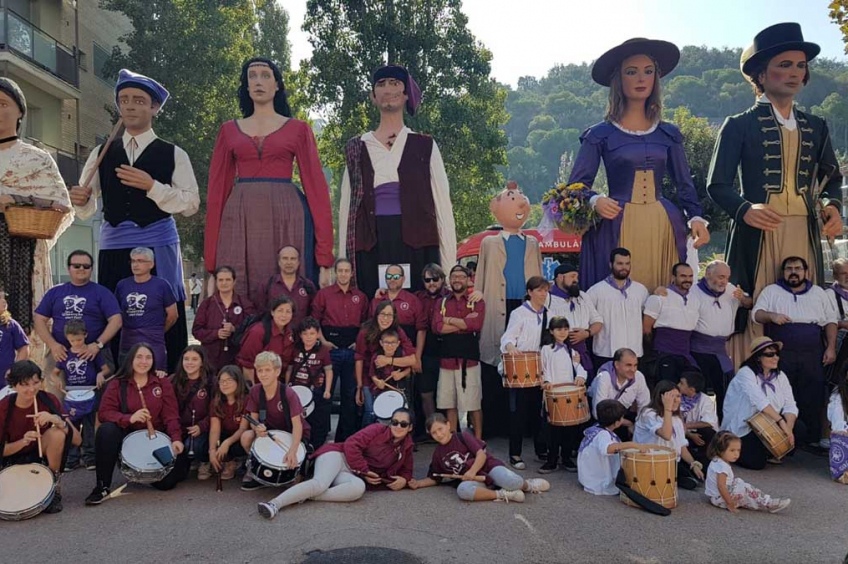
{"x":101,"y":55}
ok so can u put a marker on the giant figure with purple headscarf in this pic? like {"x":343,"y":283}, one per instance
{"x":395,"y":198}
{"x":142,"y":181}
{"x":638,"y":149}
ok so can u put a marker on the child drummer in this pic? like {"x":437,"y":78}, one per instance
{"x":380,"y":375}
{"x":274,"y":406}
{"x":561,"y":365}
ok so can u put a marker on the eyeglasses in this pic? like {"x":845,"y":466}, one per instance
{"x":401,"y":424}
{"x":770,"y":354}
{"x":394,"y":276}
{"x":78,"y":265}
{"x":389,"y":343}
{"x":428,"y":280}
{"x":389,"y":314}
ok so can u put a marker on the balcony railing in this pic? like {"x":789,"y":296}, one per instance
{"x":21,"y":37}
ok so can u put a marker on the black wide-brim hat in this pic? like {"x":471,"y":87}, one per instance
{"x":773,"y":41}
{"x":666,"y":55}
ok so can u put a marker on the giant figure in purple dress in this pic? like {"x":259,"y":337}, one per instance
{"x":637,"y":149}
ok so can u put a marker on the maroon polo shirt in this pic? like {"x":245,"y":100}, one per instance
{"x":281,"y":343}
{"x":460,"y":308}
{"x":19,"y":423}
{"x":333,"y":307}
{"x":373,"y":450}
{"x":275,"y":418}
{"x":195,"y":397}
{"x":159,"y":397}
{"x":301,"y":294}
{"x":230,"y":417}
{"x":210,"y":317}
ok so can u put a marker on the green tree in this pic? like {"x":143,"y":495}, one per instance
{"x":463,"y":107}
{"x":196,"y":49}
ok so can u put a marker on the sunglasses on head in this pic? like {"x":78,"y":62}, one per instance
{"x":428,"y":280}
{"x":771,"y":354}
{"x":394,"y":276}
{"x":401,"y":424}
{"x":79,"y":265}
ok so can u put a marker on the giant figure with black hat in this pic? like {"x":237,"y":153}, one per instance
{"x":395,"y":198}
{"x":142,"y":181}
{"x":786,"y":166}
{"x":638,"y":150}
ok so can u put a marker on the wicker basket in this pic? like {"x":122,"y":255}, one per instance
{"x":32,"y":222}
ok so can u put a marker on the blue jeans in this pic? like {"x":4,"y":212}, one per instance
{"x":87,"y":447}
{"x":368,"y":416}
{"x":343,"y":371}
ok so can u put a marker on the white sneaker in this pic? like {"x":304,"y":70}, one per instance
{"x":204,"y":471}
{"x":267,"y":509}
{"x":510,"y":495}
{"x":537,"y":485}
{"x":778,"y":504}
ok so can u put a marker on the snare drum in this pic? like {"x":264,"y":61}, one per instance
{"x":772,"y":436}
{"x":267,"y":456}
{"x":652,"y":474}
{"x":386,"y":403}
{"x":567,"y":405}
{"x":307,"y":399}
{"x":522,"y":370}
{"x":25,"y":491}
{"x":80,"y":402}
{"x":137,"y":462}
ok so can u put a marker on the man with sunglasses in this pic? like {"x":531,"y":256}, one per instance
{"x":799,"y":313}
{"x":79,"y":299}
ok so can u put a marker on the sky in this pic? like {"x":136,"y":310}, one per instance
{"x":528,"y":37}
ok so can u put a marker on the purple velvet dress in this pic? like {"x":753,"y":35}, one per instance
{"x":631,"y":159}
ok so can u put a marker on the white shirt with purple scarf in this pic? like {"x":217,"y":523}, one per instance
{"x":596,"y":467}
{"x":649,"y":422}
{"x":621,"y":310}
{"x":676,"y":315}
{"x":606,"y":386}
{"x":749,"y":393}
{"x":810,"y":311}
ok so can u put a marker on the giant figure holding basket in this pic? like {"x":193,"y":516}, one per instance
{"x":34,"y":210}
{"x":637,"y":149}
{"x":142,"y":180}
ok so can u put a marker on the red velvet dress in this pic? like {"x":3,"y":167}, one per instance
{"x":253,"y":209}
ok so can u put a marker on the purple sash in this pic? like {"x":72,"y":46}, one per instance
{"x":609,"y":367}
{"x":585,"y":357}
{"x":706,"y":344}
{"x":673,"y":341}
{"x":838,"y":455}
{"x":796,"y":336}
{"x":590,"y":434}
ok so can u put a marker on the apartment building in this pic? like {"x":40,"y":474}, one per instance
{"x":55,"y":50}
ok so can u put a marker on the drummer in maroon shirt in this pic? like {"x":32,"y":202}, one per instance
{"x":275,"y":406}
{"x":121,"y":413}
{"x":410,"y":314}
{"x":18,"y":437}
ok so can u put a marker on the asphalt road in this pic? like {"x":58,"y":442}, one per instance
{"x":193,"y":523}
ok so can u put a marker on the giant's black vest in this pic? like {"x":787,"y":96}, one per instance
{"x":123,"y":203}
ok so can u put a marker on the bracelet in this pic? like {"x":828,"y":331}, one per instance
{"x":696,"y":464}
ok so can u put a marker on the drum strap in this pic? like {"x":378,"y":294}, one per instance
{"x":543,"y":337}
{"x":124,"y":407}
{"x":263,"y":406}
{"x":648,"y":505}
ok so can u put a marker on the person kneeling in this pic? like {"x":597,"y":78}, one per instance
{"x":275,"y":407}
{"x":21,"y":424}
{"x":461,"y":459}
{"x":136,"y":399}
{"x":598,"y":459}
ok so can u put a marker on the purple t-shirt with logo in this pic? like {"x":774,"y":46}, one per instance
{"x":79,"y":372}
{"x":91,"y":303}
{"x":143,"y":310}
{"x":12,"y":337}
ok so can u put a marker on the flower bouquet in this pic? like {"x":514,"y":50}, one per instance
{"x":567,"y":206}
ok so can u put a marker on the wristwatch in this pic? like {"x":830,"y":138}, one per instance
{"x":99,"y":345}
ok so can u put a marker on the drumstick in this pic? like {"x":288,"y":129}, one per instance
{"x":271,"y":436}
{"x":389,"y":386}
{"x":102,"y":154}
{"x":151,"y":432}
{"x":477,"y":478}
{"x":35,"y":421}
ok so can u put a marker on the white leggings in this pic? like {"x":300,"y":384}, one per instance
{"x":332,"y":481}
{"x":502,"y":476}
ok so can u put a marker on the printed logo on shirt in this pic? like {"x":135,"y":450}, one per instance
{"x":355,"y":299}
{"x":76,"y":367}
{"x":157,"y":392}
{"x":201,"y":393}
{"x":456,"y":462}
{"x":136,"y":303}
{"x":404,"y":306}
{"x":237,"y":310}
{"x":74,"y":307}
{"x":280,"y":406}
{"x":237,"y":419}
{"x":302,"y":292}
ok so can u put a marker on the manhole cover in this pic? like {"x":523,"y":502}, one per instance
{"x":360,"y":554}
